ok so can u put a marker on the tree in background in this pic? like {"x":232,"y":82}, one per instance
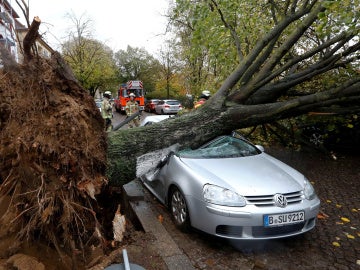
{"x":137,"y":64}
{"x":171,"y":83}
{"x":203,"y":45}
{"x":91,"y":61}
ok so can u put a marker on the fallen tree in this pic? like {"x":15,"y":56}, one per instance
{"x":55,"y":154}
{"x":277,"y":79}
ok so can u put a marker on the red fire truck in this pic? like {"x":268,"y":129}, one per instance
{"x":124,"y":91}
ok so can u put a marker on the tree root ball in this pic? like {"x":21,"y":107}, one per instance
{"x":52,"y":157}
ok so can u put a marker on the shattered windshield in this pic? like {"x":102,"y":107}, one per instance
{"x":222,"y":147}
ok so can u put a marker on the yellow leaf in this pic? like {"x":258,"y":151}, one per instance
{"x":336,"y":244}
{"x":322,"y":215}
{"x":358,"y":234}
{"x":350,"y":236}
{"x":338,"y":205}
{"x":328,"y":201}
{"x":358,"y":262}
{"x":210,"y":262}
{"x":354,"y":210}
{"x":339,"y":223}
{"x":345,"y":219}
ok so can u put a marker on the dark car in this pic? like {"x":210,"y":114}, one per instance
{"x":150,"y":105}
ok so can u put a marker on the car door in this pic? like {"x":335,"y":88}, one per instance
{"x":159,"y":106}
{"x":155,"y":180}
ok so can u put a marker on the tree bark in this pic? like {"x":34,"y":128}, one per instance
{"x":31,"y":37}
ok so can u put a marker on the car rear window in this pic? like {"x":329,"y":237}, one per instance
{"x":173,"y":102}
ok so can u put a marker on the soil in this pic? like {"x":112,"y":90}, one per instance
{"x":52,"y":164}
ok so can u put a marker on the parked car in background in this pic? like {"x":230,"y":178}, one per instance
{"x":168,"y":106}
{"x":150,"y":105}
{"x":152,"y":119}
{"x":231,"y":188}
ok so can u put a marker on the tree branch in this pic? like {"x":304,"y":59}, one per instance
{"x":341,"y":38}
{"x":25,"y":10}
{"x":231,"y":29}
{"x":248,"y":89}
{"x":270,"y":92}
{"x":237,"y":74}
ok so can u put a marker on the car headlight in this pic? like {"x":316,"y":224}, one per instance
{"x":222,"y":196}
{"x":309,"y":190}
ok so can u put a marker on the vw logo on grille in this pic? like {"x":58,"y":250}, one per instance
{"x":280,"y":200}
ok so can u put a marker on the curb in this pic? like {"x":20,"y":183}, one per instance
{"x":134,"y":200}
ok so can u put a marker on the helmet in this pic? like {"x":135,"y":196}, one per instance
{"x":107,"y":94}
{"x":132,"y":95}
{"x":206,"y":93}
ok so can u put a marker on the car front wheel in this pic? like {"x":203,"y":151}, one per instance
{"x":179,"y":210}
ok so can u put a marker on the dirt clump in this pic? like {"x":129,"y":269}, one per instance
{"x":52,"y":162}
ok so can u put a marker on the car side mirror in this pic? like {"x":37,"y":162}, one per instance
{"x":260,"y":147}
{"x":162,"y":162}
{"x":164,"y":159}
{"x":238,"y":135}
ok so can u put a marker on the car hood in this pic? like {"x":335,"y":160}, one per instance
{"x":254,"y":175}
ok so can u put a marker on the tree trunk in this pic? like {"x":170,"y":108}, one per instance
{"x":193,"y":129}
{"x":31,"y":37}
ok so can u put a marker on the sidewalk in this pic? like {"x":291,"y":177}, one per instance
{"x":138,"y":208}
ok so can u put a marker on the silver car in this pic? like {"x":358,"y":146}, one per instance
{"x":152,"y":119}
{"x":233,"y":189}
{"x":168,"y":106}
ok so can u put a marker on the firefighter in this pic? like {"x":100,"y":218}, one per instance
{"x":132,"y":107}
{"x":106,"y":110}
{"x":205,"y":95}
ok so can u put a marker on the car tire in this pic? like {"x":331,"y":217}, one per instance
{"x":179,"y":210}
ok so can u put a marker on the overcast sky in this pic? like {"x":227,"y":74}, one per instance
{"x":119,"y":23}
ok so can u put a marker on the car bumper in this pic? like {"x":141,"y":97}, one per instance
{"x":248,"y":222}
{"x":169,"y":111}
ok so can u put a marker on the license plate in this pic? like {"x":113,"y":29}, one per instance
{"x":284,"y":219}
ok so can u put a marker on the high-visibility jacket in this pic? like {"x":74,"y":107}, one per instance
{"x":131,"y":107}
{"x":106,"y":109}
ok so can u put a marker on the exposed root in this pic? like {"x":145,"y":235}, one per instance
{"x":53,"y":159}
